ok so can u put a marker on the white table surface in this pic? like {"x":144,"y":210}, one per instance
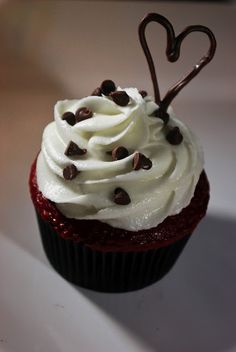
{"x":193,"y":308}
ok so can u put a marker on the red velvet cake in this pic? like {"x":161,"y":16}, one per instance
{"x":119,"y":184}
{"x":103,"y":237}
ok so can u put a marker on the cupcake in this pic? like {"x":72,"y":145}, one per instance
{"x":118,"y":188}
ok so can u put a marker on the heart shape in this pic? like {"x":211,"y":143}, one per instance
{"x":173,"y":53}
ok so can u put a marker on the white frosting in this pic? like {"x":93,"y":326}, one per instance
{"x":163,"y":190}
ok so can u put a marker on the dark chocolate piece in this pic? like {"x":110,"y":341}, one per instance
{"x":140,"y":161}
{"x":146,"y":163}
{"x":83,"y":114}
{"x":174,"y":136}
{"x":70,"y":172}
{"x":69,"y":117}
{"x":97,"y":92}
{"x":161,"y":114}
{"x":121,"y":197}
{"x":119,"y":153}
{"x":173,"y":53}
{"x":107,"y":87}
{"x":137,"y":161}
{"x":120,"y":97}
{"x":73,"y":149}
{"x":143,"y":93}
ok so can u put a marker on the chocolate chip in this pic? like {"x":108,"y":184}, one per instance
{"x":70,"y":172}
{"x":73,"y":149}
{"x":163,"y":115}
{"x":69,"y":117}
{"x":137,"y":161}
{"x":121,"y":197}
{"x":97,"y":92}
{"x":107,"y":87}
{"x":140,"y":161}
{"x":120,"y":97}
{"x":143,"y":93}
{"x":174,"y":136}
{"x":146,"y":163}
{"x":119,"y":153}
{"x":83,"y":114}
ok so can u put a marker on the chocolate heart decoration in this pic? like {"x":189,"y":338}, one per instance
{"x":173,"y":53}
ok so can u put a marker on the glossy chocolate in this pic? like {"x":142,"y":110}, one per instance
{"x":173,"y":53}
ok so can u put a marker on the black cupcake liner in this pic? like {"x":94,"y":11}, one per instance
{"x":107,"y":271}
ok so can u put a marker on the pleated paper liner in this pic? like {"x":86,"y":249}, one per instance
{"x":107,"y":271}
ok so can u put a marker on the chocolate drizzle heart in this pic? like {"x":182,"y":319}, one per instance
{"x":173,"y":53}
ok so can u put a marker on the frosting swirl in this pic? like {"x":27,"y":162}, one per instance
{"x":163,"y":190}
